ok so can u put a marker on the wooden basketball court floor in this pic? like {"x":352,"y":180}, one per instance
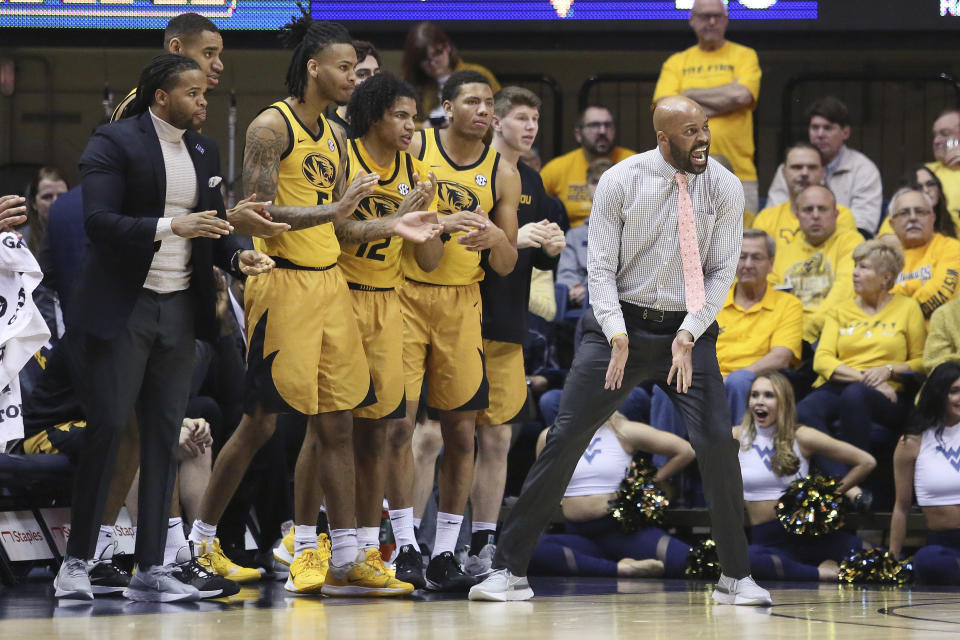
{"x":580,"y":609}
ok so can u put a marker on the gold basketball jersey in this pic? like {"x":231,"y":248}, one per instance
{"x":308,"y":172}
{"x":459,"y":188}
{"x":377,"y":263}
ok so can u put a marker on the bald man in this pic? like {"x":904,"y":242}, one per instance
{"x":664,"y":244}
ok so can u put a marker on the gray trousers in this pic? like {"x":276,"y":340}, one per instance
{"x":148,"y":368}
{"x":585,"y":405}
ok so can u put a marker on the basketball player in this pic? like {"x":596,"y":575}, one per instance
{"x":505,"y":299}
{"x":441,"y":309}
{"x":383,"y":109}
{"x":305,"y":352}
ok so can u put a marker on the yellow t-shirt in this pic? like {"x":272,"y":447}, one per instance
{"x":377,"y":263}
{"x":894,"y":335}
{"x":308,"y":173}
{"x":781,"y":223}
{"x":821,"y":277}
{"x":459,"y":188}
{"x":565,"y":177}
{"x":746,"y":335}
{"x":950,"y":179}
{"x":732,"y":133}
{"x":930,"y":273}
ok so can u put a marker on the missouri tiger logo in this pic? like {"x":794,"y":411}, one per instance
{"x":319,"y":170}
{"x":375,"y":207}
{"x":455,"y":197}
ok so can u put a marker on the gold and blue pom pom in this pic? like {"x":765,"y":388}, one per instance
{"x":639,"y":501}
{"x":875,"y":566}
{"x":812,"y":506}
{"x":703,"y":563}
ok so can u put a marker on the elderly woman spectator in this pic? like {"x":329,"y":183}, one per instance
{"x":931,"y":259}
{"x":429,"y":58}
{"x":868,"y":345}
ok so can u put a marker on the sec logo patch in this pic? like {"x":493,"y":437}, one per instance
{"x":481,"y":179}
{"x":403,"y":188}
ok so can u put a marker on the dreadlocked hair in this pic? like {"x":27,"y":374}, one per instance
{"x":784,"y":461}
{"x":372,"y":99}
{"x":307,"y":37}
{"x":160,"y":73}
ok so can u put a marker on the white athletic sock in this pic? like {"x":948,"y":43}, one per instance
{"x":402,"y":522}
{"x":304,"y":537}
{"x":368,"y":538}
{"x":343,"y":546}
{"x":203,"y":532}
{"x":104,"y":540}
{"x":483,"y":526}
{"x":448,"y":530}
{"x":175,"y":540}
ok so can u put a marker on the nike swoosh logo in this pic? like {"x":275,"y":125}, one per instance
{"x":299,"y":140}
{"x":436,"y":166}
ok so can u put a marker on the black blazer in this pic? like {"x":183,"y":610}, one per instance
{"x":124,"y":191}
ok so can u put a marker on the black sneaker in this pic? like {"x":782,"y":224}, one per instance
{"x":444,"y":573}
{"x":409,"y":566}
{"x":107,"y":577}
{"x":210,"y":585}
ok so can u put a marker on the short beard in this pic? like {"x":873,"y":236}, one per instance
{"x":681,"y":160}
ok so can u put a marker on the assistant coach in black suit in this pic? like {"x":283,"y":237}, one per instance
{"x":156,"y":222}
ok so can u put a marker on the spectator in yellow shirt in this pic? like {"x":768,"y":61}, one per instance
{"x":946,"y":153}
{"x":817,"y":267}
{"x":922,"y":179}
{"x":565,"y":177}
{"x":723,"y":77}
{"x":802,"y":168}
{"x":760,"y":330}
{"x":867,"y":345}
{"x":932,"y":260}
{"x":943,"y":338}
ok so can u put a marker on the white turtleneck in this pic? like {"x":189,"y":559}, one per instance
{"x":170,"y":269}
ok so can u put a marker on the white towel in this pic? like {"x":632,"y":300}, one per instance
{"x":22,"y":328}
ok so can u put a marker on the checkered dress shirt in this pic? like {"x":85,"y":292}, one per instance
{"x":633,"y":250}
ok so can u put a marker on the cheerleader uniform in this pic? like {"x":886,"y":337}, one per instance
{"x":593,"y":547}
{"x":936,"y":480}
{"x":776,"y":554}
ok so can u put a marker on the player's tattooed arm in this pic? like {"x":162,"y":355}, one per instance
{"x":408,"y":221}
{"x":265,"y":144}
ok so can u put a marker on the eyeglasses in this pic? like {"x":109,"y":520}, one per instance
{"x":597,"y":125}
{"x":707,"y":17}
{"x":919,"y":212}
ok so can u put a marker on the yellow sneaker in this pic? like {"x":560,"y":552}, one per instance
{"x":366,"y":576}
{"x":212,"y":558}
{"x":284,"y":551}
{"x":307,"y":573}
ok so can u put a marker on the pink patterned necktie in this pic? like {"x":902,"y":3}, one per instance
{"x":689,"y":249}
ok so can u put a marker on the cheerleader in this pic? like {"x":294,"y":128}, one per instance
{"x":927,"y":460}
{"x":593,"y":543}
{"x":774,"y":452}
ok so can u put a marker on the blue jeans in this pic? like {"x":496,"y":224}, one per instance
{"x":636,"y":407}
{"x":848,"y":412}
{"x":664,"y":416}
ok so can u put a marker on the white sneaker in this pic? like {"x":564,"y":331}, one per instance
{"x":72,"y":581}
{"x":502,"y":586}
{"x":157,"y":584}
{"x":742,"y":592}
